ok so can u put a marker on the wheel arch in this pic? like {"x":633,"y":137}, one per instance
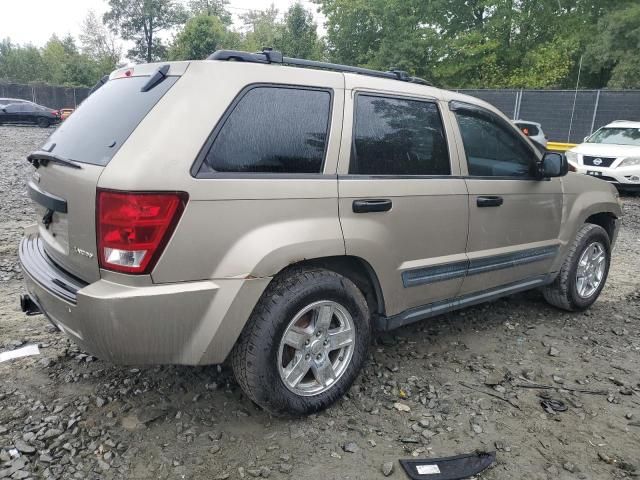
{"x":356,"y":269}
{"x":606,"y":220}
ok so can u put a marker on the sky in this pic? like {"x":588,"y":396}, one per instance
{"x":34,"y":21}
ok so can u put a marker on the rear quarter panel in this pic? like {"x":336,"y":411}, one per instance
{"x":232,"y":227}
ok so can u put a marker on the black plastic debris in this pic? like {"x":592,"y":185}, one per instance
{"x":448,"y":468}
{"x":551,"y":405}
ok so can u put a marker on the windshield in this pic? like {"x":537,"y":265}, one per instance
{"x":616,"y":136}
{"x":104,"y":121}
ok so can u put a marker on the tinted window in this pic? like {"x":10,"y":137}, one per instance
{"x":398,"y":137}
{"x":104,"y":121}
{"x":493,"y":149}
{"x":275,"y":130}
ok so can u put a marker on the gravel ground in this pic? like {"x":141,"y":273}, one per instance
{"x":447,"y":386}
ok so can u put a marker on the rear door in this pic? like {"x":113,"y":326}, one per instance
{"x":514,"y":218}
{"x":403,"y":206}
{"x":73,"y":158}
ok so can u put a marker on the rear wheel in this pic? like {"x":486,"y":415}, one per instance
{"x":584,"y":272}
{"x":43,"y":122}
{"x":304,"y":343}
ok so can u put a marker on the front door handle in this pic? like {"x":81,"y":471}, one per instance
{"x":489,"y":201}
{"x":373,"y":205}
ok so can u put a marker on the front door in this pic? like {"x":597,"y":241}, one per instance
{"x":514,"y":217}
{"x":403,"y":205}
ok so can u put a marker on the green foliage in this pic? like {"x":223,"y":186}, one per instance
{"x":59,"y":62}
{"x":212,"y":8}
{"x":614,"y":57}
{"x":140,"y":21}
{"x":201,"y":36}
{"x":489,"y":43}
{"x":299,"y":37}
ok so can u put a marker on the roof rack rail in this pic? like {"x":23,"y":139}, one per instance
{"x":269,"y":55}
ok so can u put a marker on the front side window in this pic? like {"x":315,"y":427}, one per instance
{"x":273,"y":130}
{"x":394,"y":136}
{"x":492,"y":148}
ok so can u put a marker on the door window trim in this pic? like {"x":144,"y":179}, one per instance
{"x":392,"y":96}
{"x":202,"y":154}
{"x":458,"y":105}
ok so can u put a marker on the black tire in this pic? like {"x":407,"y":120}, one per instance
{"x":563,"y":292}
{"x":254,"y":358}
{"x":43,"y":122}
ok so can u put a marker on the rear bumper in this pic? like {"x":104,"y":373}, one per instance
{"x":189,"y":323}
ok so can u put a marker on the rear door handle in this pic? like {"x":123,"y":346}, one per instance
{"x":489,"y":201}
{"x":373,"y":205}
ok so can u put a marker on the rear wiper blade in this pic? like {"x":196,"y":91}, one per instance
{"x":42,"y":158}
{"x":158,"y":76}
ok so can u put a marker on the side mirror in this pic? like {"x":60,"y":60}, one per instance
{"x":553,"y":164}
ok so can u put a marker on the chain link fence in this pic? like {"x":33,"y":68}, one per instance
{"x":565,"y":115}
{"x":47,"y":95}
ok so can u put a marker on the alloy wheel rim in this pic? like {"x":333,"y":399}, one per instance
{"x":591,"y":268}
{"x":316,"y":348}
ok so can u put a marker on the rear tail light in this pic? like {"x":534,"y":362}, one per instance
{"x":134,"y":227}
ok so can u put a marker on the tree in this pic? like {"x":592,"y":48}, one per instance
{"x":99,"y":44}
{"x":21,"y":64}
{"x":201,"y":36}
{"x":263,"y":29}
{"x":140,"y":21}
{"x":613,"y":55}
{"x":299,"y":37}
{"x":212,"y":8}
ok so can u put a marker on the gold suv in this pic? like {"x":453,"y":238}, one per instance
{"x":276,"y":211}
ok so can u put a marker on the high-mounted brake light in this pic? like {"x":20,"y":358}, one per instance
{"x":134,"y":227}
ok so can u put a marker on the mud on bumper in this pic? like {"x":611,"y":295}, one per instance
{"x":189,"y":323}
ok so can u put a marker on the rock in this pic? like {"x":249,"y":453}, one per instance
{"x":569,"y":467}
{"x":100,"y":402}
{"x":476,"y":428}
{"x":401,"y":407}
{"x":554,"y":352}
{"x":20,"y":475}
{"x":605,"y":458}
{"x":24,"y":447}
{"x":215,"y":449}
{"x":254,"y":472}
{"x":495,"y":378}
{"x":558,"y":379}
{"x":51,"y":433}
{"x":628,"y":415}
{"x":499,"y":388}
{"x":387,"y":468}
{"x":285,"y":468}
{"x":351,"y":447}
{"x":265,"y":472}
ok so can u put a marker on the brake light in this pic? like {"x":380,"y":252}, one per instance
{"x":134,"y":227}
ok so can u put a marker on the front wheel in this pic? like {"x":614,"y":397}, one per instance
{"x":584,"y":272}
{"x":304,"y":344}
{"x":43,"y":122}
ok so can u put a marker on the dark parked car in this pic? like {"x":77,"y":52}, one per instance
{"x":28,"y":113}
{"x":7,"y":101}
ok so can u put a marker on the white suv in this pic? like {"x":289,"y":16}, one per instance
{"x":612,"y":153}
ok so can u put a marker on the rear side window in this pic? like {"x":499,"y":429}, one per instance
{"x":104,"y":121}
{"x":394,"y":136}
{"x":273,"y":129}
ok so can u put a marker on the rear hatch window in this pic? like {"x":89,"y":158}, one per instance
{"x":104,"y":121}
